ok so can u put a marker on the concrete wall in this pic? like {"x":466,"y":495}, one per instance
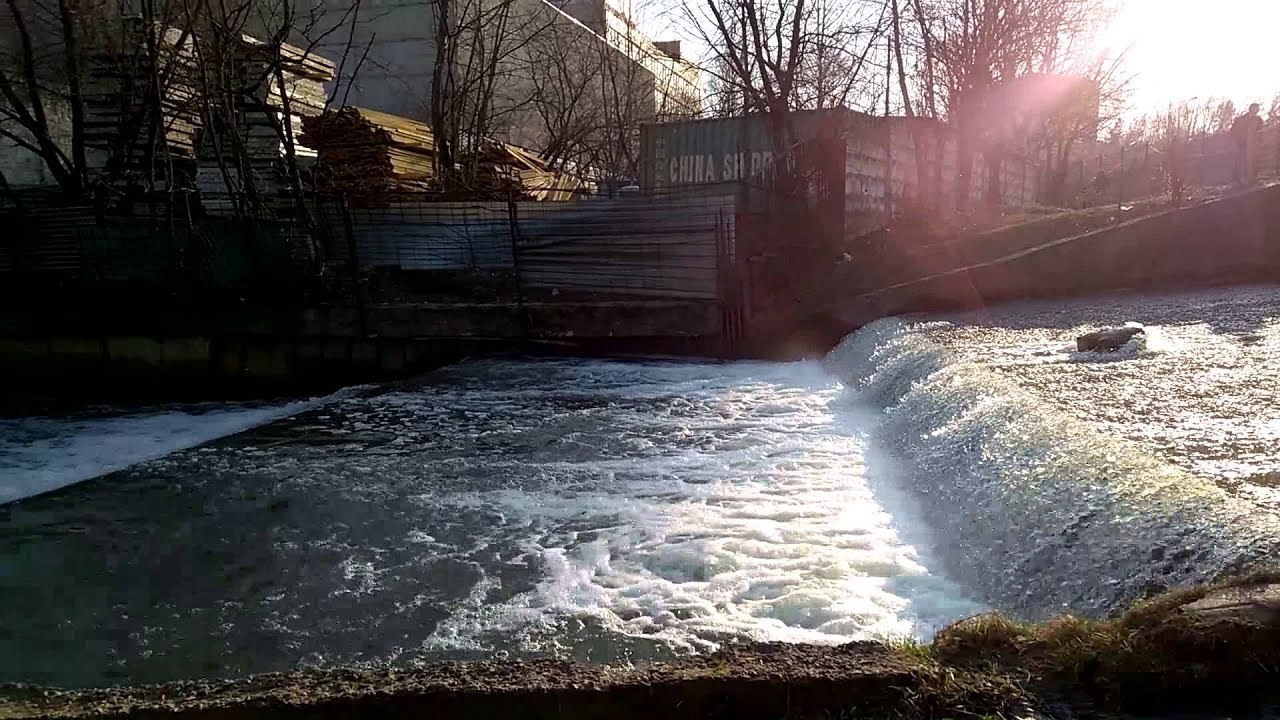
{"x":400,"y":37}
{"x":1233,"y":239}
{"x":73,"y":347}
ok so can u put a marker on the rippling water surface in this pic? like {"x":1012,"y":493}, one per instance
{"x":611,"y":512}
{"x":1066,"y":481}
{"x":590,"y":510}
{"x":1202,"y":391}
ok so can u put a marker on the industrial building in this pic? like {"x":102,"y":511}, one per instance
{"x":399,"y":37}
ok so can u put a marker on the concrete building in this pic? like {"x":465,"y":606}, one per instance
{"x":678,"y":95}
{"x":563,"y":73}
{"x":390,"y":51}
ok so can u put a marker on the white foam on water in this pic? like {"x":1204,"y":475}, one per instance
{"x":42,"y":454}
{"x":575,"y":509}
{"x":1042,"y":511}
{"x":771,"y":530}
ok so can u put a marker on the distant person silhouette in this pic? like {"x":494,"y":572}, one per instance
{"x":1245,"y":131}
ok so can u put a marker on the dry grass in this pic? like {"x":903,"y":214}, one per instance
{"x":1156,"y":655}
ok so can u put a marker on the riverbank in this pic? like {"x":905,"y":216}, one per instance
{"x":1211,"y":648}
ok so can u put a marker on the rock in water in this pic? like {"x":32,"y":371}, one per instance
{"x":1107,"y":340}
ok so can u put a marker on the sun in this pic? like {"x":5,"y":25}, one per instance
{"x":1183,"y":49}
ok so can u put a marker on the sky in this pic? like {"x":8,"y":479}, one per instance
{"x":1176,"y":49}
{"x":1184,"y":49}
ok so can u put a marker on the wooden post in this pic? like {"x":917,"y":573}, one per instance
{"x":513,"y":225}
{"x":1120,"y":178}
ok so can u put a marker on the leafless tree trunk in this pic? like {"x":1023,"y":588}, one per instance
{"x":787,"y":55}
{"x":481,"y":78}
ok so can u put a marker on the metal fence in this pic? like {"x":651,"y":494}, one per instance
{"x":1121,"y":172}
{"x":169,"y":244}
{"x":662,"y":245}
{"x":657,"y":245}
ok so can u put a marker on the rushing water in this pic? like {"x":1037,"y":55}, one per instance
{"x":1083,"y":481}
{"x":613,"y":512}
{"x":594,"y":510}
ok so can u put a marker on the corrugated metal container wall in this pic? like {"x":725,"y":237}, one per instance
{"x":866,"y":162}
{"x":727,"y":150}
{"x":939,"y":146}
{"x":881,"y":168}
{"x":699,"y":152}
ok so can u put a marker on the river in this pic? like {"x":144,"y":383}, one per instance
{"x":930,"y":468}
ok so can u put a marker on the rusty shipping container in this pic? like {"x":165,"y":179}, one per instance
{"x":718,"y":150}
{"x":851,"y":146}
{"x":887,"y":164}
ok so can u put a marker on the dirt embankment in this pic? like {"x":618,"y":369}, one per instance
{"x":1211,"y":648}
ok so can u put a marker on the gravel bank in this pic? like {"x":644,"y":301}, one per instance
{"x":762,"y":681}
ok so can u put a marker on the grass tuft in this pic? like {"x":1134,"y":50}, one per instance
{"x":1161,"y":653}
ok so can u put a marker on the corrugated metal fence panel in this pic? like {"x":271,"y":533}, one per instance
{"x":650,"y":246}
{"x":46,"y":238}
{"x":433,"y":236}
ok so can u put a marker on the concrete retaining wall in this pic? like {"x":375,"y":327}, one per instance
{"x":1228,"y":240}
{"x":71,"y":351}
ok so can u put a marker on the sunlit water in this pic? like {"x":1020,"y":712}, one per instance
{"x":1202,"y":390}
{"x":590,"y":510}
{"x":611,"y":512}
{"x":1066,"y":481}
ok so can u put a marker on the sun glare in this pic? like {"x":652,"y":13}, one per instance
{"x":1185,"y":49}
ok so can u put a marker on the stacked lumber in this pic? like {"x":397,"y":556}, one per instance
{"x":119,"y":108}
{"x":279,"y":93}
{"x":375,"y":156}
{"x":537,"y":180}
{"x":364,"y":152}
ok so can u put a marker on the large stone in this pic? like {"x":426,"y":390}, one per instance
{"x":24,"y":355}
{"x":1107,"y":340}
{"x":186,"y":354}
{"x":270,"y":360}
{"x":1256,"y":604}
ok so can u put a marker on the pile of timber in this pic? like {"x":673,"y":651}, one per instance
{"x":142,"y":111}
{"x":536,"y":179}
{"x":282,"y":86}
{"x":366,"y":152}
{"x":376,"y":157}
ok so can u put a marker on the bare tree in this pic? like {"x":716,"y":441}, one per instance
{"x":482,"y":77}
{"x":567,"y":97}
{"x":979,"y":48}
{"x":129,"y":92}
{"x":778,"y":56}
{"x":85,"y":88}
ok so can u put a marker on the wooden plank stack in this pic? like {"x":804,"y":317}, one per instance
{"x":118,"y":115}
{"x":374,"y":156}
{"x":259,"y":121}
{"x":363,"y":152}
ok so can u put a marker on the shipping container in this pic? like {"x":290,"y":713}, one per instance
{"x":718,"y":150}
{"x":886,"y":163}
{"x":848,"y":149}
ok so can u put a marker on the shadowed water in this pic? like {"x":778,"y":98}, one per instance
{"x":611,"y":512}
{"x":589,"y":510}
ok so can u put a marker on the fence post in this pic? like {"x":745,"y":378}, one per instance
{"x":1082,"y":198}
{"x":513,"y":224}
{"x":1276,"y":133}
{"x":1120,"y":179}
{"x":353,"y":264}
{"x":1204,"y":137}
{"x":353,"y":254}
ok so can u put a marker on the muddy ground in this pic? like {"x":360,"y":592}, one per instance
{"x":763,"y":681}
{"x":1209,"y":650}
